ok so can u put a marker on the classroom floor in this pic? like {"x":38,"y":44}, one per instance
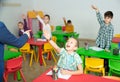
{"x":35,"y":70}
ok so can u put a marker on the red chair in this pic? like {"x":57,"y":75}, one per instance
{"x":12,"y":66}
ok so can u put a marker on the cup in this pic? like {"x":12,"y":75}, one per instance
{"x":55,"y":73}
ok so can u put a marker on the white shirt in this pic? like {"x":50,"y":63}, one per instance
{"x":46,"y":27}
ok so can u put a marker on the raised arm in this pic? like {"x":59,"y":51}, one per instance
{"x":25,"y":22}
{"x":64,"y":21}
{"x":39,"y":18}
{"x":47,"y":36}
{"x":99,"y":16}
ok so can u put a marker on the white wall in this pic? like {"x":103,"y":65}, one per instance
{"x":79,"y":11}
{"x":11,"y":15}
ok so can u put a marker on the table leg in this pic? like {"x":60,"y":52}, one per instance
{"x":40,"y":54}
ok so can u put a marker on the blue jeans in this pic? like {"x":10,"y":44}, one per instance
{"x":1,"y":70}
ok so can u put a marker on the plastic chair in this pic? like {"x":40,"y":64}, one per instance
{"x":26,"y":50}
{"x":94,"y":65}
{"x":76,"y":35}
{"x":31,"y":14}
{"x":49,"y":49}
{"x":52,"y":28}
{"x":59,"y":28}
{"x":114,"y":66}
{"x":117,"y":35}
{"x":13,"y":66}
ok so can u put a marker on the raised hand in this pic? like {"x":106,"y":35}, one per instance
{"x":28,"y":33}
{"x":23,"y":16}
{"x":95,"y":8}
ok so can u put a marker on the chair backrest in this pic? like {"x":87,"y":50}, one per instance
{"x":117,"y":35}
{"x":54,"y":39}
{"x":58,"y":27}
{"x":76,"y":35}
{"x":114,"y":64}
{"x":25,"y":48}
{"x":14,"y":63}
{"x":31,"y":14}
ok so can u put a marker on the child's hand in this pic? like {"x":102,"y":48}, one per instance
{"x":65,"y":72}
{"x":95,"y":8}
{"x":28,"y":33}
{"x":46,"y":35}
{"x":23,"y":16}
{"x":107,"y":50}
{"x":64,"y":18}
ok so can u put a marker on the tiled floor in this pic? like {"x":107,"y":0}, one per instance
{"x":35,"y":70}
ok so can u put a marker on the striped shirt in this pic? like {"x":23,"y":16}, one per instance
{"x":105,"y":34}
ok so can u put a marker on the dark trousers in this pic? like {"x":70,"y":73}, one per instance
{"x":1,"y":70}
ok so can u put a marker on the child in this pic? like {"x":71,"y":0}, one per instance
{"x":68,"y":26}
{"x":69,"y":61}
{"x":106,"y":30}
{"x":23,"y":26}
{"x":45,"y":23}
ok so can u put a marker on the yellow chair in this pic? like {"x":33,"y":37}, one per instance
{"x":31,"y":14}
{"x":94,"y":65}
{"x":27,"y":50}
{"x":49,"y":49}
{"x":117,"y":35}
{"x":52,"y":28}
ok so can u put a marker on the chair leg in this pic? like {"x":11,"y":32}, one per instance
{"x":22,"y":75}
{"x":31,"y":58}
{"x":85,"y":71}
{"x":38,"y":57}
{"x":43,"y":61}
{"x":53,"y":57}
{"x":5,"y":77}
{"x":24,"y":56}
{"x":15,"y":76}
{"x":103,"y":71}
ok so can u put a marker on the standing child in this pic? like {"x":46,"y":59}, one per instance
{"x":69,"y":61}
{"x":68,"y":25}
{"x":23,"y":26}
{"x":45,"y":23}
{"x":106,"y":31}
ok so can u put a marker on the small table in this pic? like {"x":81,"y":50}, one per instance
{"x":31,"y":41}
{"x":10,"y":54}
{"x":74,"y":78}
{"x":100,"y":54}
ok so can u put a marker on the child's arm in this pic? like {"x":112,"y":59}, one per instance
{"x":47,"y":36}
{"x":25,"y":22}
{"x":99,"y":16}
{"x":64,"y":21}
{"x":67,"y":72}
{"x":39,"y":18}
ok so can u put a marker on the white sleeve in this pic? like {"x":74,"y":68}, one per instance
{"x":39,"y":18}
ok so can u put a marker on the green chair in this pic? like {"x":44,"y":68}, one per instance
{"x":114,"y":66}
{"x":59,"y":28}
{"x":76,"y":35}
{"x":38,"y":34}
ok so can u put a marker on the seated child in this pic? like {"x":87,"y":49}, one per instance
{"x":69,"y":61}
{"x":23,"y":26}
{"x":68,"y":25}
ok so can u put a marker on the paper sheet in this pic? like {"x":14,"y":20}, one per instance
{"x":66,"y":77}
{"x":96,"y":48}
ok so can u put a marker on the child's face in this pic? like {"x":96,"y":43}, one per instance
{"x":69,"y":24}
{"x":20,"y":26}
{"x":71,"y":44}
{"x":46,"y":19}
{"x":107,"y":20}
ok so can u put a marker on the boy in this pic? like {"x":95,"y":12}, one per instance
{"x":69,"y":61}
{"x":68,"y":25}
{"x":23,"y":26}
{"x":106,"y":31}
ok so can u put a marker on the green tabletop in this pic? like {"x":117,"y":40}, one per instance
{"x":100,"y":54}
{"x":10,"y":54}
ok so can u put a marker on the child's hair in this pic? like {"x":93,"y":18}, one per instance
{"x":108,"y":14}
{"x":20,"y":22}
{"x":47,"y":16}
{"x":69,"y":21}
